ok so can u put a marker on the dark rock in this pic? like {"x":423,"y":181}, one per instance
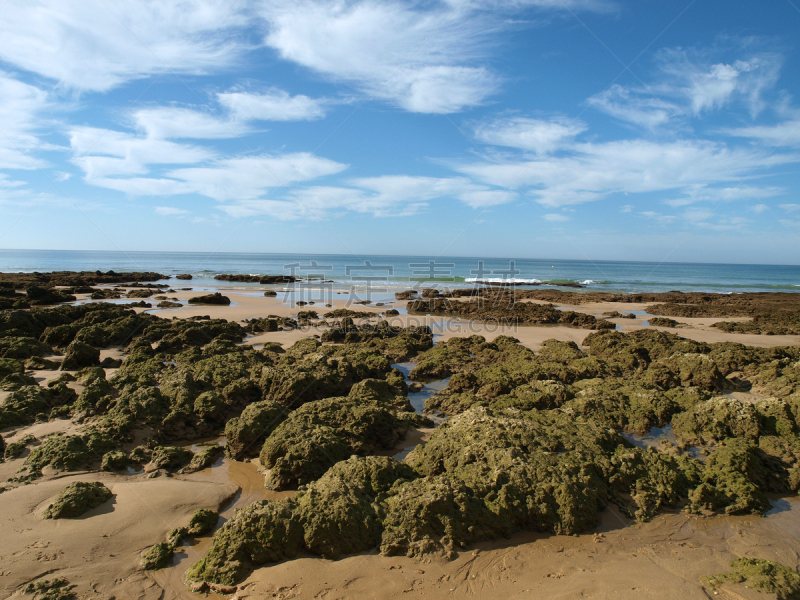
{"x":215,"y":298}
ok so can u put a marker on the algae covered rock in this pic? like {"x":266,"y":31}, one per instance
{"x":762,"y":575}
{"x":76,"y":499}
{"x":65,"y":452}
{"x":116,"y":460}
{"x":319,"y":434}
{"x":265,"y":531}
{"x":80,"y":355}
{"x":203,"y":459}
{"x":717,"y":419}
{"x":51,"y":589}
{"x":339,"y":512}
{"x":246,"y":434}
{"x":730,"y":480}
{"x":157,"y":556}
{"x":215,"y":298}
{"x":203,"y":521}
{"x":170,"y":458}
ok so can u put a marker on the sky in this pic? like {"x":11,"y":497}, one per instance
{"x":577,"y":129}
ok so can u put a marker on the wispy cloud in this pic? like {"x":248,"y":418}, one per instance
{"x":168,"y":211}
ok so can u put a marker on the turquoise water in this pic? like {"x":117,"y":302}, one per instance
{"x":398,"y":272}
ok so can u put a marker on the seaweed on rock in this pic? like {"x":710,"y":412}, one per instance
{"x":76,"y":499}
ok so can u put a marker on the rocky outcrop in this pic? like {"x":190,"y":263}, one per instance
{"x":215,"y":298}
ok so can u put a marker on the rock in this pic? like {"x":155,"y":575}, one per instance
{"x":157,"y":556}
{"x":77,"y":498}
{"x":761,"y":575}
{"x":21,"y":348}
{"x":140,"y":293}
{"x":169,"y":304}
{"x":37,"y":363}
{"x":663,"y":322}
{"x":116,"y":460}
{"x":170,"y":458}
{"x":185,"y":277}
{"x":270,"y":293}
{"x":246,"y":434}
{"x":203,"y":522}
{"x":215,"y":298}
{"x":203,"y":459}
{"x":10,"y":366}
{"x":80,"y":355}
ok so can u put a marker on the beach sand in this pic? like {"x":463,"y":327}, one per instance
{"x":100,"y":551}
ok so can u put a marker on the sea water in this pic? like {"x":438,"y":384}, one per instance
{"x":400,"y":272}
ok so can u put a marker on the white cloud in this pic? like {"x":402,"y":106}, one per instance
{"x":626,"y":208}
{"x":708,"y":86}
{"x":416,"y":58}
{"x":96,"y":46}
{"x":759,"y":208}
{"x":790,"y":207}
{"x":555,"y":217}
{"x":21,"y":106}
{"x":724,"y":194}
{"x":383,"y":196}
{"x":537,"y":135}
{"x":784,"y":134}
{"x":185,"y":123}
{"x":688,"y":83}
{"x":250,"y":177}
{"x":661,"y":219}
{"x":590,"y":172}
{"x":275,"y":105}
{"x":107,"y":153}
{"x":635,"y":106}
{"x":170,"y":211}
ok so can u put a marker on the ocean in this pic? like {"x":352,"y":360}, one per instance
{"x":400,"y":272}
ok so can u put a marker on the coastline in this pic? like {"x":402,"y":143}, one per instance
{"x":664,"y":558}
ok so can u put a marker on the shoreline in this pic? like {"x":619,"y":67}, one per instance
{"x":664,"y":558}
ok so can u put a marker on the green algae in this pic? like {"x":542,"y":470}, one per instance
{"x":158,"y":556}
{"x":321,"y":433}
{"x":76,"y":499}
{"x":246,"y":434}
{"x":51,"y":589}
{"x":761,"y":575}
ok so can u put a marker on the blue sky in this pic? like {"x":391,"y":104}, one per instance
{"x":585,"y":129}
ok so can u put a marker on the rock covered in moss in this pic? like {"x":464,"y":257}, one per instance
{"x":51,"y":589}
{"x":76,"y":499}
{"x":264,"y":531}
{"x":215,"y":298}
{"x":158,"y":556}
{"x":80,"y":355}
{"x":730,"y":480}
{"x":246,"y":434}
{"x":65,"y":452}
{"x":338,"y":514}
{"x":22,"y":347}
{"x":318,"y":434}
{"x":15,"y":449}
{"x":762,"y":575}
{"x":170,"y":458}
{"x":116,"y":460}
{"x":717,"y":419}
{"x":203,"y":521}
{"x":10,"y":366}
{"x":203,"y":459}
